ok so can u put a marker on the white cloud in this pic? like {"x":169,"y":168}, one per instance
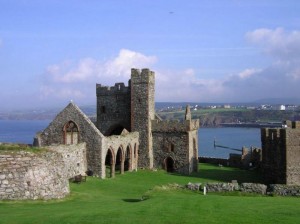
{"x":77,"y":80}
{"x":278,"y":42}
{"x":121,"y":65}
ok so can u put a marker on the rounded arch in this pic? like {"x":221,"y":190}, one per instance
{"x":169,"y":164}
{"x":110,"y":163}
{"x":70,"y":133}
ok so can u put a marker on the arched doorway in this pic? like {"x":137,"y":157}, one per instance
{"x":120,"y":161}
{"x":169,"y":164}
{"x":70,"y":131}
{"x":109,"y":164}
{"x":128,"y":162}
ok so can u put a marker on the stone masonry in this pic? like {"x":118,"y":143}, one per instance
{"x":281,"y":154}
{"x":45,"y":175}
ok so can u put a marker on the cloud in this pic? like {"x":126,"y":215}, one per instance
{"x":121,"y":65}
{"x":76,"y":80}
{"x":277,"y":43}
{"x":280,"y":79}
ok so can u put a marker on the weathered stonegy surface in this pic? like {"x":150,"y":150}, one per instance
{"x":253,"y":188}
{"x":25,"y":175}
{"x":143,"y":111}
{"x":176,"y":146}
{"x":113,"y":108}
{"x":284,"y":190}
{"x":281,"y":154}
{"x":125,"y":144}
{"x":86,"y":132}
{"x":193,"y":186}
{"x":220,"y":187}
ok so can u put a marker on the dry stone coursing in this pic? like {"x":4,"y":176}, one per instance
{"x":26,"y":175}
{"x":285,"y":190}
{"x":254,"y":188}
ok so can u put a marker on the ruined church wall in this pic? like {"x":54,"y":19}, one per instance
{"x":115,"y":142}
{"x":88,"y":133}
{"x":179,"y":152}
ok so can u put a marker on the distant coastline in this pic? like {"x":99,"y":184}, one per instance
{"x":253,"y":124}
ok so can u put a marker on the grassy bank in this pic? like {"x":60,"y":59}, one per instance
{"x":118,"y":201}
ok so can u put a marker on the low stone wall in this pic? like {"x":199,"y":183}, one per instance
{"x":285,"y":190}
{"x":220,"y":187}
{"x":253,"y":188}
{"x":25,"y":175}
{"x":256,"y":188}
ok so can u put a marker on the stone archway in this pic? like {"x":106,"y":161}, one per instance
{"x":128,"y":159}
{"x":169,"y":164}
{"x":120,"y":161}
{"x":110,"y":163}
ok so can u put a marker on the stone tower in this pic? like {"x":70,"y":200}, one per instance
{"x":142,"y":112}
{"x":113,"y":108}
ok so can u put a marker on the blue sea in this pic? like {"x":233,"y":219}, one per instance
{"x":23,"y":131}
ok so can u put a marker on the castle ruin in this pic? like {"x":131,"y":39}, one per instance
{"x":127,"y":134}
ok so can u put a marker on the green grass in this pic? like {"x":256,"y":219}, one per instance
{"x":118,"y":201}
{"x":20,"y":147}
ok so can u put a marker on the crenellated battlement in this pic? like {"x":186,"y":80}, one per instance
{"x":144,"y":76}
{"x":175,"y":125}
{"x":273,"y":134}
{"x":118,"y":88}
{"x":293,"y":124}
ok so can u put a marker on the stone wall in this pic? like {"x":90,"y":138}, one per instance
{"x":25,"y":175}
{"x":87,"y":132}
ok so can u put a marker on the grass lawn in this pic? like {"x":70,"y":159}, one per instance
{"x":118,"y":201}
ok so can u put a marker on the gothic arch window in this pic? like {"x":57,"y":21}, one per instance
{"x":70,"y":133}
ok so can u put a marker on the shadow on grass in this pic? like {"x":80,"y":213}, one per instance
{"x":143,"y":198}
{"x":225,"y":174}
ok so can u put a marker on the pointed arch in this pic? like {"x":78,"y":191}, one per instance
{"x":71,"y":133}
{"x":120,"y":160}
{"x":128,"y":159}
{"x":110,"y":163}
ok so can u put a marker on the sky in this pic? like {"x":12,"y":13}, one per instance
{"x":223,"y":51}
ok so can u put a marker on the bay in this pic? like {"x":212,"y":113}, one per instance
{"x":23,"y":131}
{"x":230,"y":137}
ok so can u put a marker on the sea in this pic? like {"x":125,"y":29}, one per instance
{"x":23,"y":131}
